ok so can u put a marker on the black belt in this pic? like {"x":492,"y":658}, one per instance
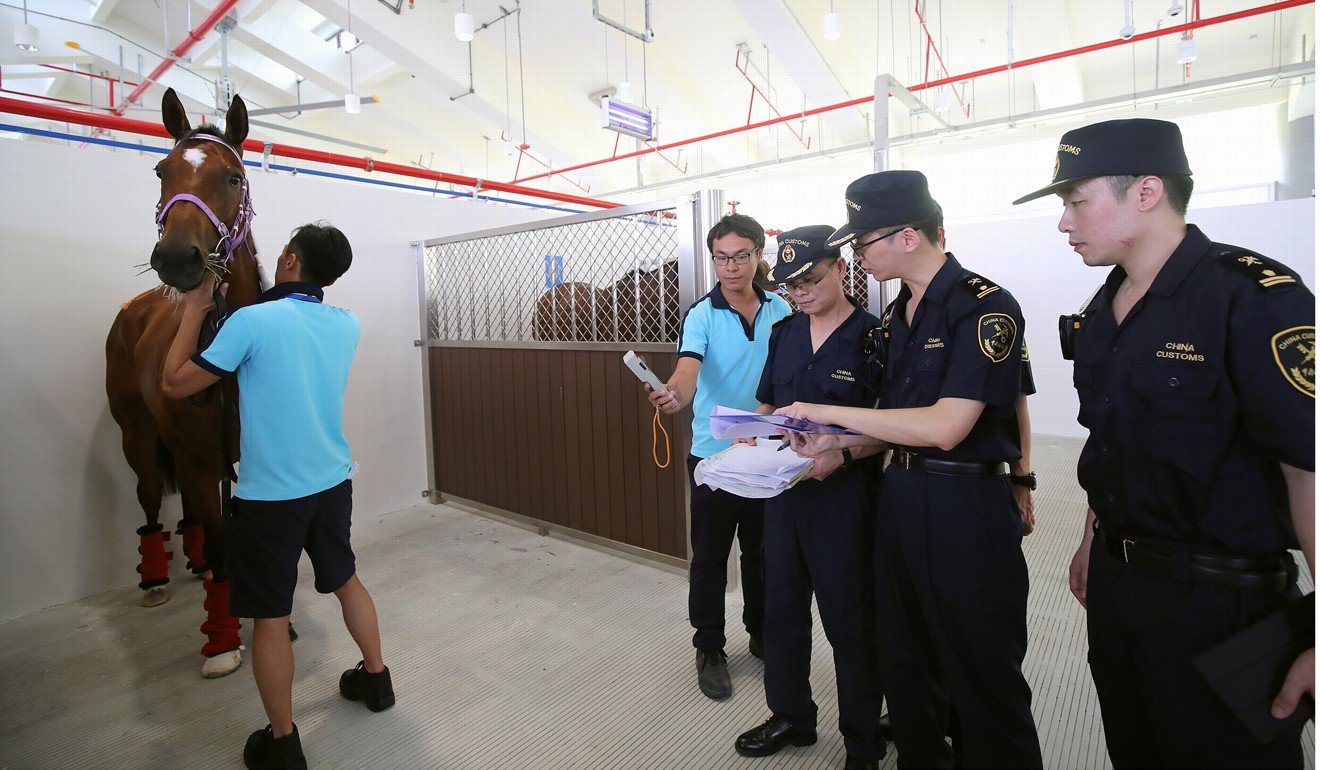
{"x":911,"y":461}
{"x":1251,"y":573}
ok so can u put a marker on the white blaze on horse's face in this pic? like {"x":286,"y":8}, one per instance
{"x":195,"y":157}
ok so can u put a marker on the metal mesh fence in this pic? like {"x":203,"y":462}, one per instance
{"x":607,"y":280}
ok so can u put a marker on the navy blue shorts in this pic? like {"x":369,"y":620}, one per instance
{"x":266,"y":538}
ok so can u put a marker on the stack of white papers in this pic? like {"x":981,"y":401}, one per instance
{"x":735,"y":423}
{"x":753,"y":471}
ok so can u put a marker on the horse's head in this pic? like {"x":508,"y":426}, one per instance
{"x":204,"y":211}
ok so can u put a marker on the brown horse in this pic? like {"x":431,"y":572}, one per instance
{"x":204,"y":216}
{"x":642,"y":306}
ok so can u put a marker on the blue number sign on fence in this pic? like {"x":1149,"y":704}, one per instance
{"x":554,"y":270}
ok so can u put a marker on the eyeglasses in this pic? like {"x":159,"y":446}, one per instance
{"x":741,"y":258}
{"x":806,"y":283}
{"x":857,"y":247}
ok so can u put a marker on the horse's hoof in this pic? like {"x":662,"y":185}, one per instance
{"x":222,"y":665}
{"x":155,"y":596}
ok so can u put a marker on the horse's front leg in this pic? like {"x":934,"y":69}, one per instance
{"x":200,"y":485}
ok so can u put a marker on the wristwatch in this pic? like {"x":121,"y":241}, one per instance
{"x":847,"y":457}
{"x":1028,"y":481}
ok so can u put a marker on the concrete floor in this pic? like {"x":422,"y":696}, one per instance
{"x":507,"y":650}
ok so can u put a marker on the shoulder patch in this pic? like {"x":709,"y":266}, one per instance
{"x":1266,"y":272}
{"x":1294,"y":352}
{"x":976,"y":285}
{"x":1026,"y":354}
{"x":783,"y":320}
{"x":998,"y":336}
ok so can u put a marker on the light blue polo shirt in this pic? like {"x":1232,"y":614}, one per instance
{"x":292,"y":355}
{"x":732,"y":354}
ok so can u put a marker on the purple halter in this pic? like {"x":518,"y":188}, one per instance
{"x":230,"y":237}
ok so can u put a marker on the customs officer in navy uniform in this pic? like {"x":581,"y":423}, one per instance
{"x":1195,"y":368}
{"x":818,"y":533}
{"x":951,"y":581}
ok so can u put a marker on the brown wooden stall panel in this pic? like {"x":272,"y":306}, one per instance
{"x":561,"y":436}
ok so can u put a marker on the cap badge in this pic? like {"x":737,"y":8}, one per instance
{"x":787,"y":255}
{"x":853,"y":205}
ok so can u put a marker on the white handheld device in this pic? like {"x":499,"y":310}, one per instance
{"x":643,"y":372}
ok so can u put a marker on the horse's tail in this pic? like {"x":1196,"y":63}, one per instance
{"x":165,"y":465}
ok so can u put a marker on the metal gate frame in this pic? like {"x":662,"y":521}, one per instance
{"x":694,"y":215}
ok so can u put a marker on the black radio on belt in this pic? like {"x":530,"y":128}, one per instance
{"x":1069,"y":325}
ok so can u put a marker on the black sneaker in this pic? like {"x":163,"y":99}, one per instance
{"x":375,"y":690}
{"x":756,"y":647}
{"x":266,"y":752}
{"x":713,"y":674}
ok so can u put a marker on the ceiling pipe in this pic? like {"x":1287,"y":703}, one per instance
{"x":1283,"y":5}
{"x":117,"y":123}
{"x":181,"y":50}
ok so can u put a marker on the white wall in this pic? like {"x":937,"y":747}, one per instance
{"x":72,"y":224}
{"x":1031,"y":259}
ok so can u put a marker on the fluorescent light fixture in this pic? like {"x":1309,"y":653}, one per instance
{"x":1175,"y":9}
{"x":26,"y":37}
{"x":1186,"y":50}
{"x":352,"y":104}
{"x":626,"y":91}
{"x":831,"y":26}
{"x":464,"y":26}
{"x":510,"y":150}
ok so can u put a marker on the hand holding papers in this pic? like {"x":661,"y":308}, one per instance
{"x":753,"y":471}
{"x":726,"y":423}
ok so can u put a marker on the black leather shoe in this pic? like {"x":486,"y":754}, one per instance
{"x":857,"y":763}
{"x":771,"y":736}
{"x":375,"y":690}
{"x":266,"y":752}
{"x":713,"y":674}
{"x":756,"y":647}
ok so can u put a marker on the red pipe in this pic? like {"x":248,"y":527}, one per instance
{"x":117,"y":123}
{"x":194,"y":37}
{"x":1283,"y":5}
{"x":87,"y":74}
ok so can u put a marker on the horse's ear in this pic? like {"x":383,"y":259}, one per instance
{"x":236,"y":123}
{"x":173,"y":115}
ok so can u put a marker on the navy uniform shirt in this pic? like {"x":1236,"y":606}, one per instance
{"x":1194,"y":401}
{"x":965,"y":341}
{"x":837,"y":373}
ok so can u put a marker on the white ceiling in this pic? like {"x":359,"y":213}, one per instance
{"x":278,"y":56}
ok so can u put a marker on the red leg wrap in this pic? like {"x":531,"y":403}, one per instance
{"x":194,"y":540}
{"x":155,"y":566}
{"x":221,"y":630}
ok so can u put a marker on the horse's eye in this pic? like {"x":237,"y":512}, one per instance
{"x":235,"y":180}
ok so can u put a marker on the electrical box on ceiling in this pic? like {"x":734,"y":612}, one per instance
{"x":630,"y":119}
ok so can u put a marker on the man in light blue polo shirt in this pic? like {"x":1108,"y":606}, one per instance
{"x":292,"y":355}
{"x":721,"y":351}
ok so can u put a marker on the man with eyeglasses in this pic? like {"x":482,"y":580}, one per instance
{"x":721,"y":351}
{"x":819,"y":533}
{"x":951,"y":580}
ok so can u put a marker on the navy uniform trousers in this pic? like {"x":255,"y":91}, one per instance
{"x":1143,"y":630}
{"x":717,"y":517}
{"x":818,"y":538}
{"x":951,"y":596}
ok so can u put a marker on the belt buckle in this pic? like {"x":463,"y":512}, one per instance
{"x":1127,"y":543}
